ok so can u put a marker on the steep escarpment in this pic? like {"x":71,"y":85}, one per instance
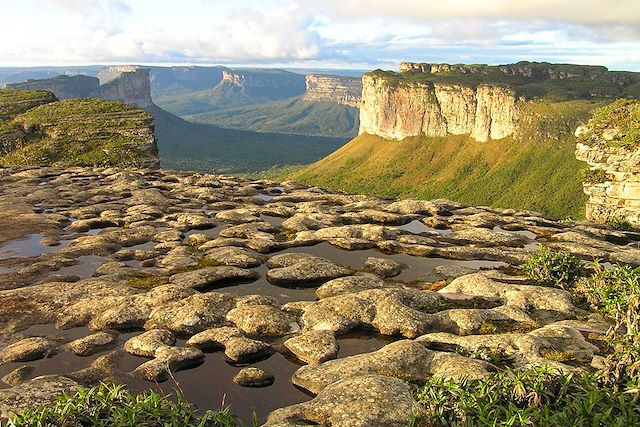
{"x":38,"y":130}
{"x":610,"y":144}
{"x":397,"y":111}
{"x":124,"y":83}
{"x":339,"y":89}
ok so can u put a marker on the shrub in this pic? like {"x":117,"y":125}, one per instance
{"x":621,"y":224}
{"x":111,"y":405}
{"x":553,"y":268}
{"x":594,"y":176}
{"x":536,"y":397}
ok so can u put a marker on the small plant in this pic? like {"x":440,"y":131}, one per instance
{"x":621,"y":224}
{"x":534,"y":397}
{"x":112,"y":405}
{"x":594,"y":176}
{"x":553,"y":268}
{"x":611,"y":290}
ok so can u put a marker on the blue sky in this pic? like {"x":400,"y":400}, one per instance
{"x":331,"y":33}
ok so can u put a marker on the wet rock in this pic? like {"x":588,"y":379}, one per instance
{"x":92,"y":344}
{"x":179,"y":258}
{"x":104,"y":368}
{"x":383,"y":267}
{"x":209,"y":277}
{"x":28,"y":349}
{"x":404,"y":359}
{"x":299,"y":269}
{"x":253,"y":377}
{"x":235,"y":257}
{"x":452,"y":271}
{"x":237,"y":347}
{"x":19,"y":375}
{"x":148,"y":342}
{"x":168,"y":360}
{"x":313,"y":346}
{"x":368,"y":400}
{"x":528,"y":298}
{"x":390,"y":311}
{"x":352,"y":284}
{"x":483,"y":237}
{"x":238,"y":215}
{"x":32,"y":394}
{"x":261,"y":320}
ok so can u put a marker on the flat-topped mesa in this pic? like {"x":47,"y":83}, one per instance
{"x":64,"y":87}
{"x":528,"y":70}
{"x":343,"y":90}
{"x":610,"y":144}
{"x":126,"y":83}
{"x":397,"y":111}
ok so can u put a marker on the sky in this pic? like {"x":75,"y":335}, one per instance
{"x":361,"y":34}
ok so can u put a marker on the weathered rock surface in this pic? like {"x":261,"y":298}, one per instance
{"x":302,"y":270}
{"x":355,"y":402}
{"x":28,"y":349}
{"x":253,"y":377}
{"x":212,"y":276}
{"x":313,"y":346}
{"x":168,"y":360}
{"x":237,"y":347}
{"x":92,"y":344}
{"x":39,"y":391}
{"x":148,"y":342}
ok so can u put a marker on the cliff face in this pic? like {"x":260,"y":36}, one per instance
{"x":128,"y":84}
{"x":264,"y":84}
{"x":125,"y":83}
{"x":610,"y":144}
{"x":343,"y":90}
{"x":397,"y":111}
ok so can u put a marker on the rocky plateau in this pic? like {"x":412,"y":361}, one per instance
{"x":304,"y":305}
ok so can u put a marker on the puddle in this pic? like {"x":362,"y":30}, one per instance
{"x":418,"y":227}
{"x":525,"y":233}
{"x":88,"y":264}
{"x":273,"y":220}
{"x":420,"y":268}
{"x":263,"y":287}
{"x":29,"y":246}
{"x":359,"y":342}
{"x":264,"y":197}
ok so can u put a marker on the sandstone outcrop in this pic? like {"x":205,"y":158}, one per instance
{"x":397,"y":111}
{"x":610,"y":146}
{"x":343,"y":90}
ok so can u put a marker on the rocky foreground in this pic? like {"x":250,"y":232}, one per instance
{"x":165,"y":271}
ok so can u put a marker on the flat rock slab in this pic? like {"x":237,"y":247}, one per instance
{"x":361,"y":401}
{"x":92,"y":344}
{"x":28,"y":349}
{"x":168,"y":360}
{"x":302,"y":270}
{"x":39,"y":391}
{"x":314,"y":346}
{"x":146,"y":344}
{"x":262,"y":320}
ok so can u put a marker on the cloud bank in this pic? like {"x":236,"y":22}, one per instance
{"x":344,"y":33}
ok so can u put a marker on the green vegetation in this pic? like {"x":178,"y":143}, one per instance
{"x":291,"y":116}
{"x":594,"y":176}
{"x":110,"y":405}
{"x":552,"y":82}
{"x":77,"y":132}
{"x":545,"y":396}
{"x":553,"y":268}
{"x":621,"y":224}
{"x":622,"y":118}
{"x":14,"y":102}
{"x":535,"y":397}
{"x":197,"y":147}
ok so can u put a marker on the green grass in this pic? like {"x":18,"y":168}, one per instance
{"x":74,"y":132}
{"x":585,"y":82}
{"x":536,"y":169}
{"x":553,"y":268}
{"x":14,"y":102}
{"x":292,"y":116}
{"x":622,"y":115}
{"x":534,"y":397}
{"x":110,"y":405}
